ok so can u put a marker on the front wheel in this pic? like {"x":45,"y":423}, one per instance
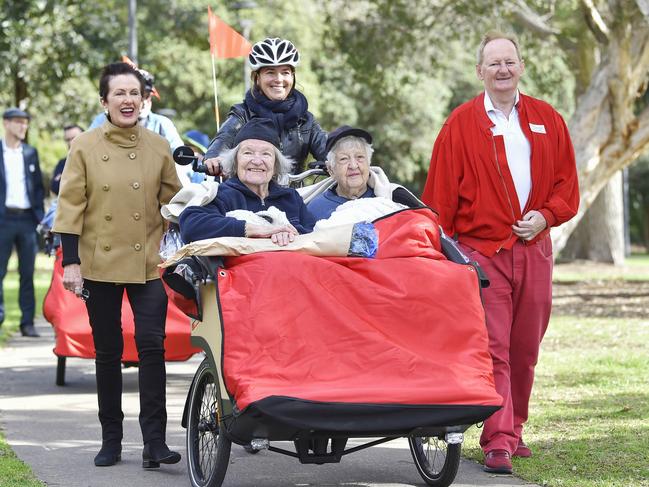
{"x":208,"y":452}
{"x":436,"y":461}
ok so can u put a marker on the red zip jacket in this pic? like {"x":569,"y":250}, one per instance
{"x":470,"y":186}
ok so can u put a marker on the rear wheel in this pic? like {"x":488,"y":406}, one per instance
{"x":436,"y":461}
{"x":208,"y":451}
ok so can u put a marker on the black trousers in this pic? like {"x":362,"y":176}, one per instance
{"x":149,"y":305}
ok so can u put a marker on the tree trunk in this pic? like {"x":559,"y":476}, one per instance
{"x":607,"y":133}
{"x":646,"y":228}
{"x":600,"y":234}
{"x":20,"y":90}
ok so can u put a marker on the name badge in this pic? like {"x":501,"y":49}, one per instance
{"x":539,"y":129}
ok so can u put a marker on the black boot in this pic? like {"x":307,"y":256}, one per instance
{"x":110,"y":454}
{"x":156,"y":452}
{"x":28,"y":330}
{"x":109,"y":395}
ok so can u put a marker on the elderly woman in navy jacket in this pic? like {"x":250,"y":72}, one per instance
{"x":253,"y":165}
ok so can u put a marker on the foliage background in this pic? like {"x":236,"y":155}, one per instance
{"x":394,"y":67}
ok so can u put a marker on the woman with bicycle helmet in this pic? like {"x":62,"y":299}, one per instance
{"x":273,"y":95}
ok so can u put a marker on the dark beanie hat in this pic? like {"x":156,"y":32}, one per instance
{"x":346,"y":131}
{"x":260,"y":129}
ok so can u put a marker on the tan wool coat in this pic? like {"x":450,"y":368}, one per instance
{"x":114,"y":182}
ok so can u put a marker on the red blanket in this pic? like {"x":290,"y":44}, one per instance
{"x":68,"y":315}
{"x":404,"y":328}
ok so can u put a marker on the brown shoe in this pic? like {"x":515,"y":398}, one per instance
{"x":498,"y":461}
{"x":522,"y":450}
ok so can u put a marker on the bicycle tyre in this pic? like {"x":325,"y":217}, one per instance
{"x":437,"y":462}
{"x":208,"y":452}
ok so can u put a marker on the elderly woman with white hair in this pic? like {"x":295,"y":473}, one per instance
{"x":252,"y":167}
{"x":349,"y":159}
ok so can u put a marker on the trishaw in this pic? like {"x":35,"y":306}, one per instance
{"x":317,"y":350}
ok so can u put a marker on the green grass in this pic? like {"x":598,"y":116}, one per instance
{"x":42,"y":278}
{"x":638,"y":260}
{"x":635,"y":268}
{"x":588,"y":422}
{"x":14,"y":472}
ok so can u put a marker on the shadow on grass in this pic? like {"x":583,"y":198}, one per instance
{"x":609,"y":459}
{"x":612,"y":458}
{"x":609,"y":374}
{"x":598,"y":440}
{"x":594,"y":441}
{"x":610,"y":407}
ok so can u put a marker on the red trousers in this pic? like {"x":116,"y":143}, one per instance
{"x":517,"y":307}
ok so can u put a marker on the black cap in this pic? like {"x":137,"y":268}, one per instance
{"x":346,"y":131}
{"x":149,"y":79}
{"x":260,"y":129}
{"x":15,"y":113}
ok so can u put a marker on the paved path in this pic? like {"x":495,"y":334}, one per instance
{"x":55,"y":430}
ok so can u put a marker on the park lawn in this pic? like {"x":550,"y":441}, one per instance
{"x":14,"y":472}
{"x":588,"y":422}
{"x":635,"y":268}
{"x":42,"y":278}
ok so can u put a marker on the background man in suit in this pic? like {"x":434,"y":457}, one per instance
{"x":21,"y":208}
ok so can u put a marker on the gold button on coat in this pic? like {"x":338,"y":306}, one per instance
{"x":154,"y":171}
{"x":136,"y":185}
{"x":133,"y":136}
{"x":131,"y":155}
{"x":106,"y":187}
{"x":137,"y":246}
{"x":136,"y":216}
{"x":107,"y":247}
{"x":108,"y":218}
{"x":104,"y":157}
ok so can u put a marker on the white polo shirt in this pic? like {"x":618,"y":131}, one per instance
{"x":517,"y":147}
{"x":15,"y":178}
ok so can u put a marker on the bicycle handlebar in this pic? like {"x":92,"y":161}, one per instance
{"x":184,"y":156}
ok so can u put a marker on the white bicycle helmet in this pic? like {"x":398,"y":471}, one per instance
{"x":273,"y":52}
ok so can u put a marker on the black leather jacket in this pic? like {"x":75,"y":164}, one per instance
{"x":296,"y":143}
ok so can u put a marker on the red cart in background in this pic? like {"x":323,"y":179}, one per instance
{"x":68,"y":316}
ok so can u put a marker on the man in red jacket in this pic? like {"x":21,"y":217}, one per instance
{"x":501,"y":175}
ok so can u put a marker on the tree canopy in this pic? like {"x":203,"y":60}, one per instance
{"x":394,"y":67}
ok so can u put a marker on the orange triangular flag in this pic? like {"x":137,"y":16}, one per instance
{"x":127,"y":60}
{"x":225,"y":42}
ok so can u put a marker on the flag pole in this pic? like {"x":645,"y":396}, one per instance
{"x":216,"y":98}
{"x":226,"y":43}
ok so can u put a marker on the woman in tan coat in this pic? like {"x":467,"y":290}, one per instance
{"x":115,"y":180}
